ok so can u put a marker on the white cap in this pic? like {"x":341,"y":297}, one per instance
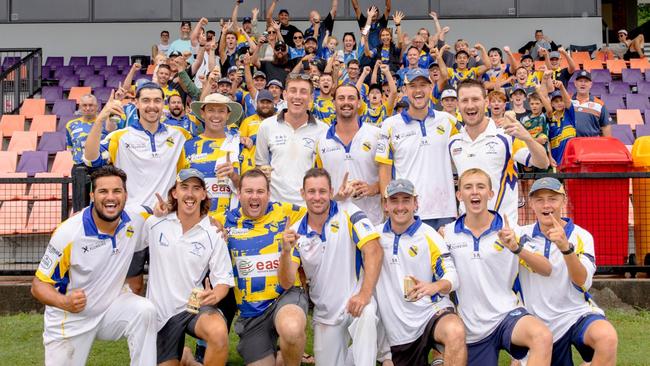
{"x":448,"y":93}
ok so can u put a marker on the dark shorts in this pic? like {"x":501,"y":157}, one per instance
{"x":417,"y":352}
{"x":574,"y":336}
{"x":486,"y":352}
{"x":257,"y":336}
{"x":439,"y":222}
{"x":630,"y":54}
{"x":171,"y":338}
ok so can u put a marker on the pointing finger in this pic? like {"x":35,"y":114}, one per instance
{"x":286,"y":224}
{"x":206,"y":283}
{"x":112,"y":97}
{"x":505,"y":219}
{"x":160,"y":199}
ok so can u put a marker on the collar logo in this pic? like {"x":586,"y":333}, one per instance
{"x":335,"y":226}
{"x":413,"y":250}
{"x":129,"y":231}
{"x":366,"y":146}
{"x":440,"y":130}
{"x":170,"y":141}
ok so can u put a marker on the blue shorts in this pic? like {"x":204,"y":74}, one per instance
{"x":486,"y":351}
{"x":562,"y":355}
{"x":439,"y":222}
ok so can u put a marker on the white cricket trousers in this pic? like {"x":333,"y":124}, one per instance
{"x":130,"y":316}
{"x":331,"y":341}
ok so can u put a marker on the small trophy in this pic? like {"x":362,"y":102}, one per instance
{"x":409,"y":283}
{"x":194,"y":303}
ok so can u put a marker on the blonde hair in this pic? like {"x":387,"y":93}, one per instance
{"x":474,"y":171}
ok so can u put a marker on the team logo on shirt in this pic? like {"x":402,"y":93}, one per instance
{"x":381,"y":147}
{"x":308,"y":142}
{"x":245,"y":267}
{"x":197,"y":249}
{"x":498,"y":246}
{"x":440,"y":130}
{"x":366,"y":146}
{"x":214,"y":146}
{"x":169,"y":141}
{"x":456,"y":151}
{"x":413,"y":250}
{"x":335,"y":226}
{"x":491,"y":148}
{"x":129,"y":231}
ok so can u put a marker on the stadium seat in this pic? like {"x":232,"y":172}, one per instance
{"x":45,"y":191}
{"x":630,"y":117}
{"x":43,"y":123}
{"x":54,"y":61}
{"x":52,"y":142}
{"x":63,"y":71}
{"x":78,"y":91}
{"x":113,"y":81}
{"x":122,"y":62}
{"x":601,"y":76}
{"x":84,"y":71}
{"x":22,"y":141}
{"x":623,"y":133}
{"x":46,"y":72}
{"x":632,"y":76}
{"x":94,"y":81}
{"x":69,"y":82}
{"x":637,"y":101}
{"x":77,"y":61}
{"x":63,"y":121}
{"x":102,"y":94}
{"x":12,"y":191}
{"x":581,"y":57}
{"x":98,"y":61}
{"x":64,"y":107}
{"x":107,"y":71}
{"x":599,"y":89}
{"x":587,"y":49}
{"x":150,"y":69}
{"x":592,"y":65}
{"x":8,"y":161}
{"x":32,"y":162}
{"x":619,"y":87}
{"x":613,"y":102}
{"x":32,"y":107}
{"x":642,"y":130}
{"x":604,"y":56}
{"x":13,"y":216}
{"x":616,"y":66}
{"x":640,"y":63}
{"x":44,"y":218}
{"x":63,"y":163}
{"x":643,"y":87}
{"x":10,"y":123}
{"x":51,"y":93}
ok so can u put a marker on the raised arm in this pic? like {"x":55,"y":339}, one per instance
{"x":566,"y":98}
{"x":571,"y":64}
{"x":375,"y":69}
{"x":128,"y":79}
{"x":392,"y":86}
{"x":355,"y":7}
{"x":387,"y":9}
{"x":233,"y":16}
{"x":444,"y":75}
{"x":222,"y":40}
{"x":436,"y":23}
{"x":397,"y":18}
{"x":334,"y":7}
{"x":364,"y":74}
{"x":484,"y":59}
{"x":269,"y":13}
{"x":510,"y":58}
{"x":92,"y":148}
{"x":248,"y":77}
{"x":196,"y":32}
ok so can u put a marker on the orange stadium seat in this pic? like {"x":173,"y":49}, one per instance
{"x":8,"y":161}
{"x":150,"y":69}
{"x":32,"y":107}
{"x":616,"y":66}
{"x":45,"y":191}
{"x":13,"y":217}
{"x":603,"y":56}
{"x":640,"y":63}
{"x":43,"y":123}
{"x":580,"y":57}
{"x":76,"y":92}
{"x":10,"y":123}
{"x":12,"y":191}
{"x":593,"y":65}
{"x":517,"y":56}
{"x":23,"y":141}
{"x":63,"y":163}
{"x":44,"y":218}
{"x":631,"y":117}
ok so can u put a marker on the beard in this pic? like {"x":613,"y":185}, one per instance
{"x":108,"y":218}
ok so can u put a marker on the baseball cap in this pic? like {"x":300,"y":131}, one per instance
{"x":264,"y":95}
{"x":433,"y":64}
{"x":224,"y":80}
{"x":311,"y":38}
{"x":550,"y":183}
{"x":188,"y":173}
{"x":400,"y":186}
{"x":259,"y":74}
{"x":275,"y":82}
{"x":246,"y":20}
{"x":584,"y":74}
{"x":413,"y":74}
{"x":232,"y":69}
{"x":283,"y":11}
{"x":280,"y":45}
{"x":554,"y":54}
{"x":448,"y":93}
{"x":146,"y":84}
{"x":526,"y":56}
{"x":517,"y":89}
{"x":556,"y":94}
{"x":175,"y":54}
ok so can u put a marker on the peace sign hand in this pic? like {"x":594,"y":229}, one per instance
{"x":162,"y":208}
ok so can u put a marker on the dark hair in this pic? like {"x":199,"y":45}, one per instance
{"x":539,"y":31}
{"x":146,"y":86}
{"x":461,"y":52}
{"x":317,"y":173}
{"x":107,"y":171}
{"x":535,"y":96}
{"x":353,"y":38}
{"x":470,"y":83}
{"x":254,"y":173}
{"x":164,"y":66}
{"x":185,"y":22}
{"x":173,"y":202}
{"x":211,"y":32}
{"x":412,"y":47}
{"x":163,"y":32}
{"x":353,"y":61}
{"x":350,"y":85}
{"x":497,"y":50}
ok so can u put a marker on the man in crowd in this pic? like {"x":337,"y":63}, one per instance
{"x":318,"y":26}
{"x":81,"y":279}
{"x":177,"y":116}
{"x":376,"y":23}
{"x":541,"y":41}
{"x":250,"y":125}
{"x":183,"y":43}
{"x":279,"y":67}
{"x":592,"y":117}
{"x":328,"y":238}
{"x":286,"y":30}
{"x":420,"y":317}
{"x":289,"y":138}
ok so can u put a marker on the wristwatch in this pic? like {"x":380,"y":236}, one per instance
{"x":570,"y":250}
{"x":520,"y":247}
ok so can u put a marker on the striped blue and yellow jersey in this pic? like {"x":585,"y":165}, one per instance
{"x":323,"y":109}
{"x":255,"y":246}
{"x":248,"y":128}
{"x":561,"y":128}
{"x":455,"y":75}
{"x":375,"y":116}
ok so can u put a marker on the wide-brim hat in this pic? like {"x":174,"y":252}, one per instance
{"x":216,"y":98}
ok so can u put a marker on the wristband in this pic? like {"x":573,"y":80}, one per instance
{"x":520,"y":247}
{"x":568,"y":251}
{"x":398,"y":24}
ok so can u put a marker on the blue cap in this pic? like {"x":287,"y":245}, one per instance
{"x":188,"y":173}
{"x":413,"y":74}
{"x":400,"y":186}
{"x":583,"y":74}
{"x":275,"y":82}
{"x":516,"y":89}
{"x":146,"y":84}
{"x":246,"y":20}
{"x":556,"y":94}
{"x":548,"y":183}
{"x":264,"y":95}
{"x":232,"y":69}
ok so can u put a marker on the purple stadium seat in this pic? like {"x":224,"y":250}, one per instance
{"x":52,"y":93}
{"x":148,"y":77}
{"x":643,"y":87}
{"x":632,"y":76}
{"x":46,"y":72}
{"x":647,"y":74}
{"x":109,"y":70}
{"x":94,"y":81}
{"x":619,"y":87}
{"x":571,"y":89}
{"x":54,"y":61}
{"x":84,"y":71}
{"x":64,"y":107}
{"x":102,"y":94}
{"x":599,"y":89}
{"x":63,"y":120}
{"x":637,"y":101}
{"x":601,"y":76}
{"x":642,"y":130}
{"x":62,"y":71}
{"x":122,"y":62}
{"x":613,"y":102}
{"x":52,"y":142}
{"x":77,"y":61}
{"x":623,"y":133}
{"x":32,"y":162}
{"x":98,"y":61}
{"x":113,"y":81}
{"x":69,"y":81}
{"x":9,"y":61}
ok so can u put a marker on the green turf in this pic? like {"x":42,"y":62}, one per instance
{"x":20,"y":342}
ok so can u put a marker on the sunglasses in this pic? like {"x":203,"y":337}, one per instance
{"x":297,"y":37}
{"x":272,"y":32}
{"x":298,"y":76}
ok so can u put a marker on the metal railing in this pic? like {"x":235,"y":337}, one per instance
{"x":22,"y":77}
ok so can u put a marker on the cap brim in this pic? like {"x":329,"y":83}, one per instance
{"x":235,"y":110}
{"x":419,"y":77}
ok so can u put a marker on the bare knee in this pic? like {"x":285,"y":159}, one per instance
{"x":542,"y":339}
{"x":214,"y":332}
{"x":606,"y":342}
{"x":451,"y":332}
{"x":290,"y":324}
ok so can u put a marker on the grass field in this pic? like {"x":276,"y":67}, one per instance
{"x":20,"y":342}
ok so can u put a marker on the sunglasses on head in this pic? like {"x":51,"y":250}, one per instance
{"x":298,"y":76}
